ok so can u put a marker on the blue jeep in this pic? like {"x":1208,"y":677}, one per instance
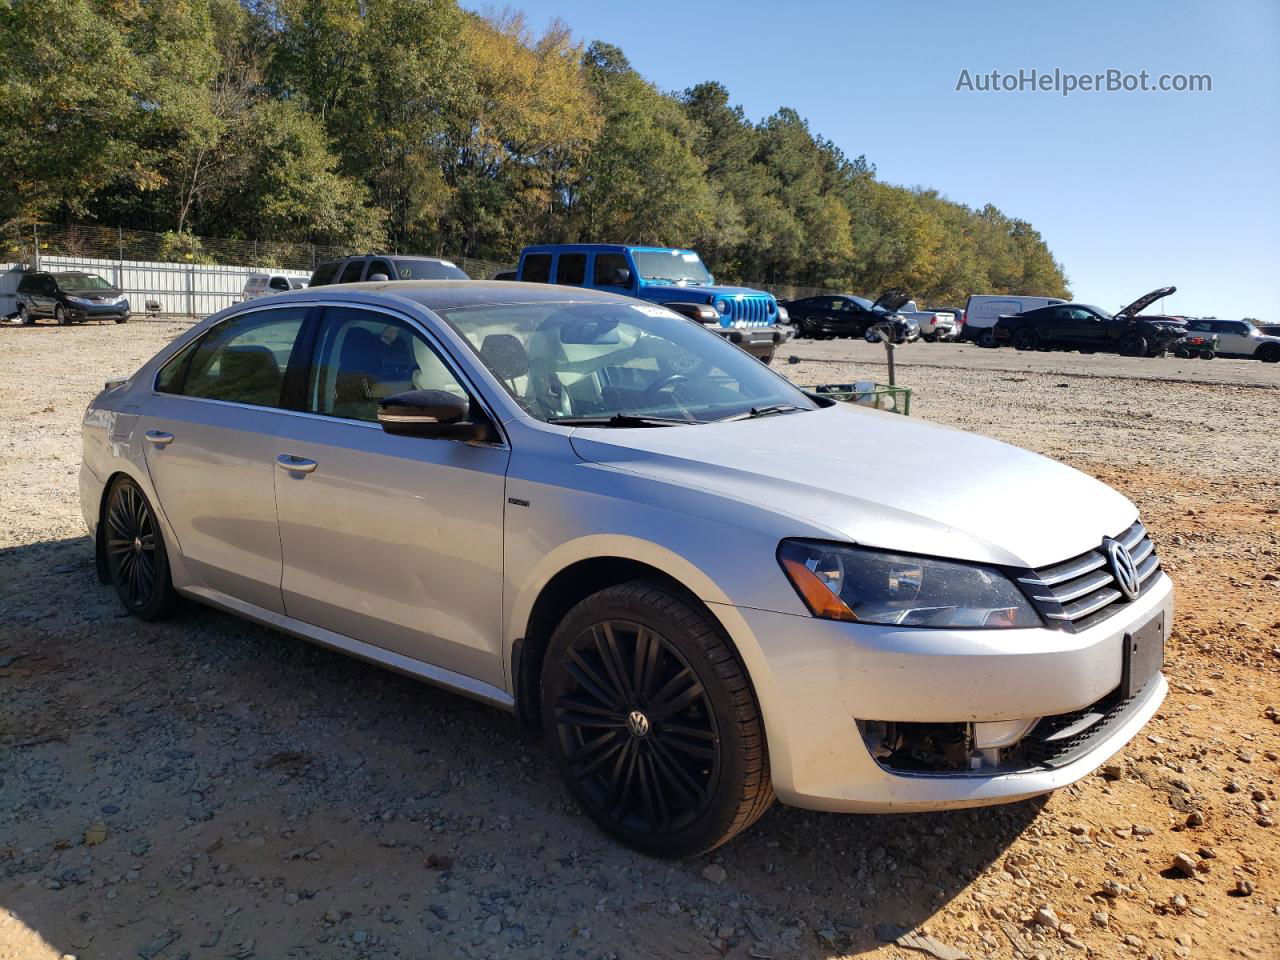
{"x":676,"y":279}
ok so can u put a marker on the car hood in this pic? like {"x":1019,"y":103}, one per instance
{"x":1144,"y":301}
{"x":881,"y":480}
{"x":95,"y":292}
{"x":891,"y":300}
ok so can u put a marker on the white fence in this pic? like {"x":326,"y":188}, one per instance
{"x":185,"y":289}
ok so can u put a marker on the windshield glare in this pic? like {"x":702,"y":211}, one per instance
{"x":673,"y":266}
{"x":603,"y":359}
{"x":81,"y":281}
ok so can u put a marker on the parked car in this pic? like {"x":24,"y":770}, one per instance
{"x":381,"y":266}
{"x":704,"y":586}
{"x":674,"y":278}
{"x":70,"y":297}
{"x":1080,"y":326}
{"x":1268,"y":329}
{"x":1239,"y":338}
{"x":983,"y":310}
{"x":934,"y":324}
{"x":266,"y":284}
{"x":842,"y":315}
{"x":958,"y":313}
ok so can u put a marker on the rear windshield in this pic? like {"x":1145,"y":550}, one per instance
{"x":415,"y":269}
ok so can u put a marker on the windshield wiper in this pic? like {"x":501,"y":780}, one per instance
{"x":767,"y":411}
{"x":622,"y":420}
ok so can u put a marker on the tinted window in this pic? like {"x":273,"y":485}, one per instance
{"x":81,"y":281}
{"x":612,"y":270}
{"x":424,"y":269}
{"x":363,"y":356}
{"x":244,"y":359}
{"x":381,"y":266}
{"x":325,"y":273}
{"x":279,"y":283}
{"x":27,"y":284}
{"x":537,"y":268}
{"x":572,"y":269}
{"x":351,"y":272}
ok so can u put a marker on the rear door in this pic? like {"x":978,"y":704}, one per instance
{"x":210,"y":431}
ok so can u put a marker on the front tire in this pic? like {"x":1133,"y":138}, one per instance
{"x":1269,"y":353}
{"x":987,"y":339}
{"x":1133,"y":345}
{"x":60,"y":315}
{"x":653,"y":723}
{"x":1207,"y":354}
{"x":136,"y":562}
{"x":24,"y":315}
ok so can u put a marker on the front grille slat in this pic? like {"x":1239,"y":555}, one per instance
{"x":1081,"y":591}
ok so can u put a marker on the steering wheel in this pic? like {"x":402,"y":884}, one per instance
{"x":662,"y":383}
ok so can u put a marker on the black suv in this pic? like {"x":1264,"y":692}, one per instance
{"x":70,"y":297}
{"x":1079,"y":326}
{"x":384,"y":266}
{"x":842,"y":315}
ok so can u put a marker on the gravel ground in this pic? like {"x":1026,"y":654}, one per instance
{"x":207,"y":788}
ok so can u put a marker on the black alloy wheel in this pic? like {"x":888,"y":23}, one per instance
{"x":1132,"y":345}
{"x":133,"y":547}
{"x":1026,"y":339}
{"x":653,"y":722}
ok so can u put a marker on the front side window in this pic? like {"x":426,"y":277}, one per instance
{"x":562,"y":360}
{"x":363,"y":356}
{"x":382,"y":267}
{"x":279,"y":283}
{"x":351,"y":272}
{"x":612,"y":271}
{"x":537,"y":268}
{"x":242,"y":360}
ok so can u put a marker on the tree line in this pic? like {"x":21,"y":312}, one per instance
{"x":417,"y":126}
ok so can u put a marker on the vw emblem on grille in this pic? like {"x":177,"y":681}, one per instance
{"x":1123,"y":568}
{"x":638,"y":724}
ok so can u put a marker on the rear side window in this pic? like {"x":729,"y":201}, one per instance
{"x":351,"y":273}
{"x":572,"y":269}
{"x":612,"y":270}
{"x":242,"y":360}
{"x":324,"y":273}
{"x":537,"y":268}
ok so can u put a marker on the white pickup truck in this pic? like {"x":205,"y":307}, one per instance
{"x":934,"y":324}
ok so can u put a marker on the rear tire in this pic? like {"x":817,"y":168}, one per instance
{"x":653,"y":723}
{"x":1132,"y":345}
{"x":1026,"y":339}
{"x":987,"y":339}
{"x":134,"y":555}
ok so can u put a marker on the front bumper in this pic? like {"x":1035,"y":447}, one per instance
{"x":756,"y":339}
{"x":113,"y":311}
{"x":816,"y":679}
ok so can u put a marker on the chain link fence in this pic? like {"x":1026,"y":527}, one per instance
{"x":171,"y":274}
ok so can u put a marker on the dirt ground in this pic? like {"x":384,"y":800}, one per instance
{"x":206,"y":788}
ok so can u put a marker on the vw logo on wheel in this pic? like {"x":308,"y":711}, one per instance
{"x":1123,"y":569}
{"x":637,"y":724}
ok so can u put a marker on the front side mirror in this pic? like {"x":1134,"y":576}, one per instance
{"x":622,"y":277}
{"x":377,"y":278}
{"x":432,"y":413}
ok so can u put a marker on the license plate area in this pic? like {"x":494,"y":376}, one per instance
{"x":1143,"y":656}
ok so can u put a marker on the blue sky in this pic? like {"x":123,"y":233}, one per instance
{"x":1132,"y":191}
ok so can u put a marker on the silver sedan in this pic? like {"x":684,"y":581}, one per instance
{"x":705,"y":587}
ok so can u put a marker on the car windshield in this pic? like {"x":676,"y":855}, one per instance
{"x":428,"y":270}
{"x":671,"y":266}
{"x":81,"y":281}
{"x":619,"y":361}
{"x":863,"y":302}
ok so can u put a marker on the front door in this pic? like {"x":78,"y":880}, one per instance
{"x":395,"y":541}
{"x":209,"y":434}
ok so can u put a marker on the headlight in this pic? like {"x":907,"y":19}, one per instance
{"x":722,"y":306}
{"x":871,"y":586}
{"x":81,"y":301}
{"x":783,"y":316}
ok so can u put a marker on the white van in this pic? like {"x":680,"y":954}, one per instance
{"x":265,"y":284}
{"x":983,"y":310}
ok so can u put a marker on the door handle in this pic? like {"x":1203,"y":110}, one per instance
{"x":159,"y":438}
{"x":295,"y":464}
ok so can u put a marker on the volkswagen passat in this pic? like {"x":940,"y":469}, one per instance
{"x":706,"y":587}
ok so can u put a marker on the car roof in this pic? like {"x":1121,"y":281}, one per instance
{"x":599,"y":248}
{"x":449,"y":294}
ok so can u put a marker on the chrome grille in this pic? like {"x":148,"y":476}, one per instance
{"x":1082,"y":591}
{"x":750,"y":312}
